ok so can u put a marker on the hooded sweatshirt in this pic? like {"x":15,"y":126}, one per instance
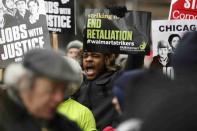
{"x":185,"y":59}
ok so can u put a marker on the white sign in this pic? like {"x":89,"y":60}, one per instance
{"x":166,"y":35}
{"x":165,"y":29}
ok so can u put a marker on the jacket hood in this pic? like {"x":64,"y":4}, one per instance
{"x":185,"y":57}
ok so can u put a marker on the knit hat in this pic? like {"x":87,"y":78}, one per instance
{"x":74,"y":44}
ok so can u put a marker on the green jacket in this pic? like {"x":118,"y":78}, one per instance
{"x":79,"y":114}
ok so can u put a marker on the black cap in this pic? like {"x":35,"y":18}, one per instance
{"x":49,"y":64}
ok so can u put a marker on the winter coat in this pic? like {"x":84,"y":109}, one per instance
{"x":97,"y":96}
{"x":15,"y":118}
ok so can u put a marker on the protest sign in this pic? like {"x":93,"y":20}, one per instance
{"x":183,"y":9}
{"x":106,"y":32}
{"x":165,"y":37}
{"x":60,"y":15}
{"x":23,"y":28}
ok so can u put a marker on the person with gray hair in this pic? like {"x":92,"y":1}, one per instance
{"x":34,"y":90}
{"x":73,"y":49}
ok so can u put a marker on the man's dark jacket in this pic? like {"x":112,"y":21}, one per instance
{"x":15,"y":118}
{"x":97,"y":96}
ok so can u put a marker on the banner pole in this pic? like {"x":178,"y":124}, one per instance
{"x":75,"y":16}
{"x":55,"y":41}
{"x":1,"y":75}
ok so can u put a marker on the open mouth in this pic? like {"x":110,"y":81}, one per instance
{"x":89,"y":70}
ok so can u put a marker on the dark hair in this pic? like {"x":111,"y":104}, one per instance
{"x":171,"y":38}
{"x":33,"y":1}
{"x":110,"y":63}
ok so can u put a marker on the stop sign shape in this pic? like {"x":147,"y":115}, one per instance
{"x":183,"y":9}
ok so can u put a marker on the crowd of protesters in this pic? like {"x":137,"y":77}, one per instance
{"x":51,"y":92}
{"x":90,"y":91}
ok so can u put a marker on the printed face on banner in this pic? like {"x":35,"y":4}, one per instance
{"x":60,"y":16}
{"x":33,"y":7}
{"x":183,"y":9}
{"x":106,"y":32}
{"x":163,"y":52}
{"x":166,"y":35}
{"x":22,"y":27}
{"x":9,"y":4}
{"x":21,"y":6}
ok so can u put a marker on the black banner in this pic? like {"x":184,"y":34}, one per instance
{"x":60,"y":16}
{"x":106,"y":32}
{"x":24,"y":28}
